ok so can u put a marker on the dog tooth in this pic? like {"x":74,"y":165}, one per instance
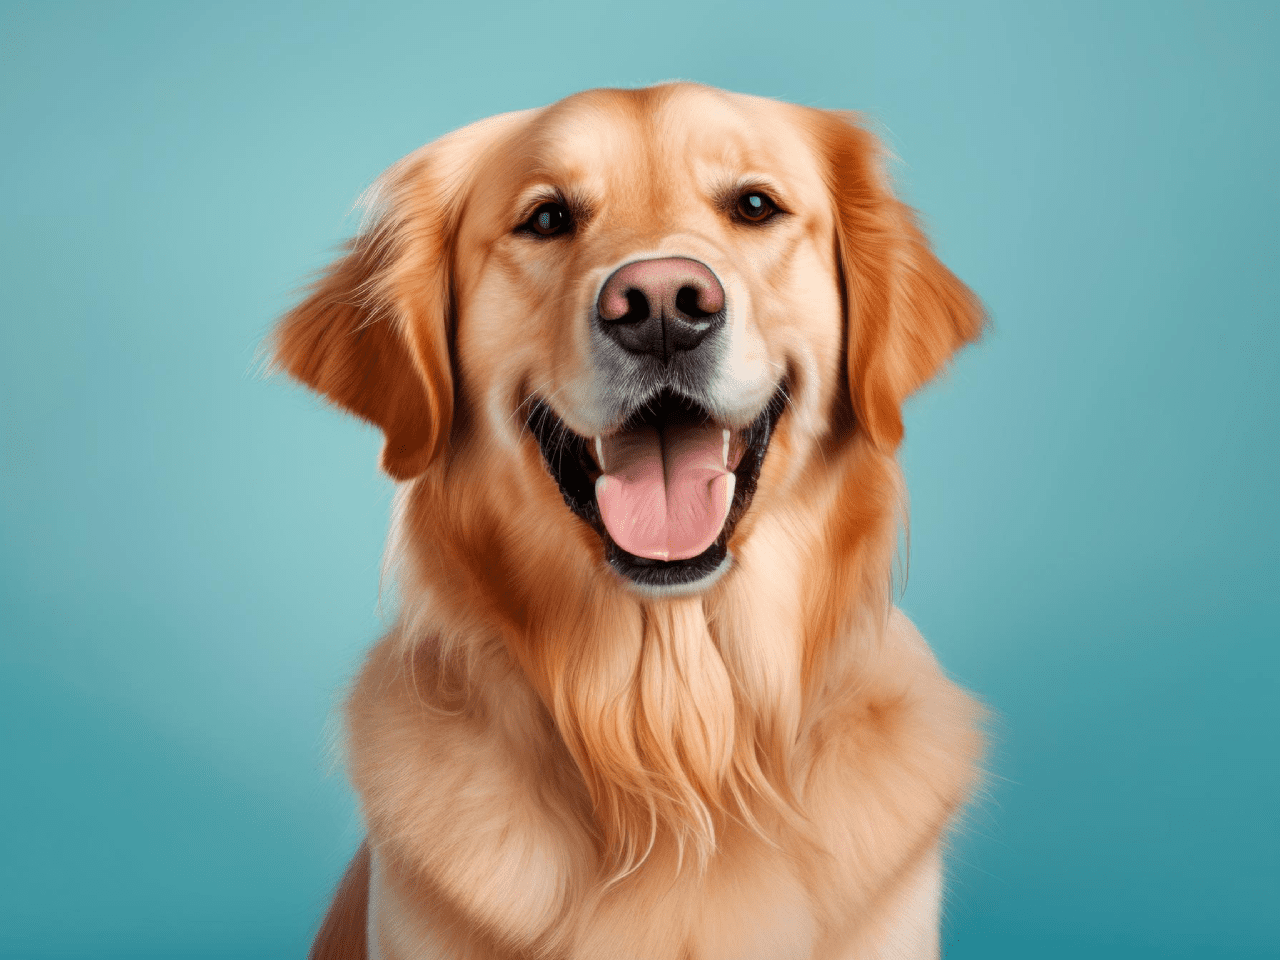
{"x":724,"y":453}
{"x":599,"y":453}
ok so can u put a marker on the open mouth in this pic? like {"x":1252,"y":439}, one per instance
{"x":665,"y":490}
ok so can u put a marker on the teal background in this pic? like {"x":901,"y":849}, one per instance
{"x":190,"y":560}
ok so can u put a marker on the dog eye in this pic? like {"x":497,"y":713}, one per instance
{"x":756,"y":207}
{"x":549,"y":219}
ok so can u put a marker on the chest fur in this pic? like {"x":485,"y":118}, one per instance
{"x":485,"y":830}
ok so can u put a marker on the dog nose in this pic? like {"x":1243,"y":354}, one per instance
{"x":661,"y":306}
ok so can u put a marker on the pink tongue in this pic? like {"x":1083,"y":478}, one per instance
{"x":665,"y":494}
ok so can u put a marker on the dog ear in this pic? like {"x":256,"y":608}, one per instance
{"x":905,"y":313}
{"x":373,"y":337}
{"x":348,"y":341}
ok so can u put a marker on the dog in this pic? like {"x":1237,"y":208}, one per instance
{"x":639,"y":358}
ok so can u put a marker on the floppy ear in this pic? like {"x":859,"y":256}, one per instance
{"x":349,"y":341}
{"x":373,"y":336}
{"x":905,"y":313}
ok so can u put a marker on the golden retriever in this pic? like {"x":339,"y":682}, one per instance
{"x":639,"y":358}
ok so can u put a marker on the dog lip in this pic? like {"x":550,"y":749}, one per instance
{"x":575,"y":463}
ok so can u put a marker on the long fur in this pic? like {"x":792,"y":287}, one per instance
{"x":551,"y":765}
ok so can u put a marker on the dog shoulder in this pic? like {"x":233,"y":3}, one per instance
{"x":457,"y":790}
{"x":896,"y":755}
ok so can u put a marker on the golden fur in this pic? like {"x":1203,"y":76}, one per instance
{"x":551,"y":764}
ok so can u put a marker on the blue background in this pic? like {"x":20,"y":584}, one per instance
{"x":190,"y":562}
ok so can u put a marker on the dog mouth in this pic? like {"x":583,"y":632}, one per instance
{"x":664,"y":490}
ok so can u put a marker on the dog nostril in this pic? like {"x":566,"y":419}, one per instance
{"x":687,"y":303}
{"x":637,"y":307}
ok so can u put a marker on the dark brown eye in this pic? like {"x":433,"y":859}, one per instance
{"x":756,"y":207}
{"x":549,"y":219}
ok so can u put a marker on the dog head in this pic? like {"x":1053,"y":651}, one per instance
{"x":650,"y":290}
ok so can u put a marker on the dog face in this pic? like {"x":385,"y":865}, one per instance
{"x":664,"y":308}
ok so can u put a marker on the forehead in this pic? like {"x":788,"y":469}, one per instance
{"x":603,"y":138}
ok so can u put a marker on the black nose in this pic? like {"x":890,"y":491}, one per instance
{"x":660,"y":307}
